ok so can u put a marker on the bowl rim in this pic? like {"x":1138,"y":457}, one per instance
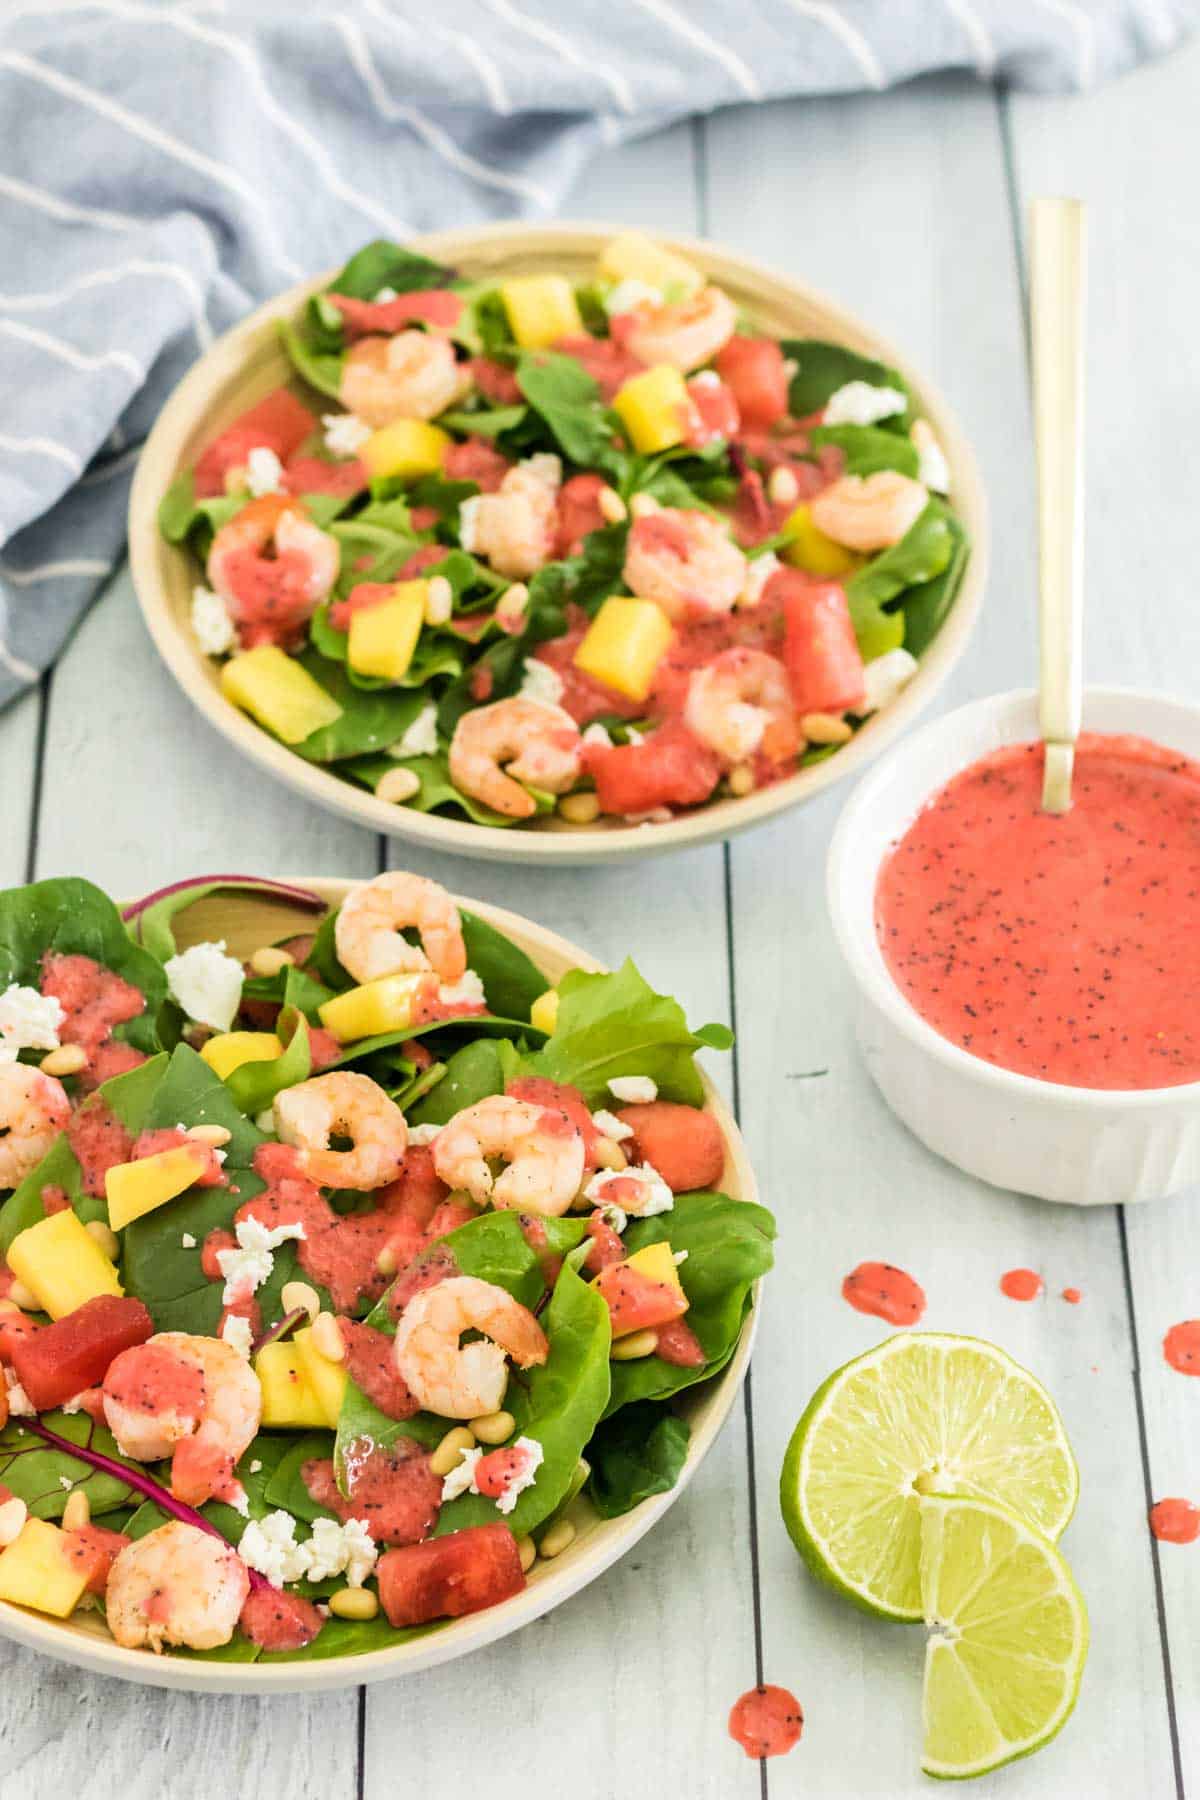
{"x":847,"y":870}
{"x":459,"y":1637}
{"x":148,"y":552}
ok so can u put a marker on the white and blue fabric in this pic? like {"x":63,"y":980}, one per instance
{"x":166,"y":165}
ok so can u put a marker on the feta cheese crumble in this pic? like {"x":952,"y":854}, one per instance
{"x":759,"y":570}
{"x":269,"y":1546}
{"x":384,"y":295}
{"x":541,"y":682}
{"x":614,"y":1216}
{"x":609,"y":1126}
{"x":249,"y":1265}
{"x":642,"y":1190}
{"x":207,"y":984}
{"x":236,"y":1331}
{"x":420,"y":1135}
{"x":596,"y":734}
{"x":932,"y":468}
{"x":467,"y":991}
{"x":633,"y":1090}
{"x":858,"y":403}
{"x":19,"y":1404}
{"x":345,"y":433}
{"x":29,"y":1020}
{"x":420,"y":739}
{"x":884,"y":677}
{"x":462,"y":1479}
{"x":187,"y":1241}
{"x":212,"y":626}
{"x":264,"y":472}
{"x":631,"y":293}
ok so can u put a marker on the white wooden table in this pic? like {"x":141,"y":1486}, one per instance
{"x":909,"y":207}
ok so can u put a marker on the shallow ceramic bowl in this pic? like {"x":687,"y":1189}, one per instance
{"x":245,"y":921}
{"x":1086,"y":1146}
{"x":248,"y":362}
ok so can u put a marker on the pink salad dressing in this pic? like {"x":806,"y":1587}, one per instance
{"x":884,"y":1291}
{"x":766,"y":1721}
{"x":1064,"y":948}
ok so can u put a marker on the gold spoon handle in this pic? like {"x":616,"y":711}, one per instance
{"x":1056,"y":306}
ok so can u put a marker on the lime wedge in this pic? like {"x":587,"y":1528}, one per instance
{"x":1008,"y":1636}
{"x":923,"y":1413}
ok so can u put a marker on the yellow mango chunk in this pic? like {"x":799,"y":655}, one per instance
{"x":624,"y":645}
{"x":61,"y":1264}
{"x":654,"y":409}
{"x":273,"y":688}
{"x":543,"y":1014}
{"x":326,"y":1380}
{"x":407,"y":448}
{"x":300,"y":1387}
{"x":230,"y":1049}
{"x":635,"y":257}
{"x":657,"y":1263}
{"x":808,"y":548}
{"x":541,"y":309}
{"x":134,"y":1188}
{"x":383,"y":637}
{"x":383,"y":1005}
{"x":36,"y":1571}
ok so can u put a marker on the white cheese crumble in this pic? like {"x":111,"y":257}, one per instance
{"x":420,"y":1135}
{"x":236,"y":1497}
{"x":933,"y":471}
{"x":249,"y":1265}
{"x":614,"y":1216}
{"x":467,"y":991}
{"x":858,"y":403}
{"x":629,"y":294}
{"x":19,"y":1403}
{"x":212,"y":626}
{"x":468,"y":521}
{"x":643,"y":1191}
{"x":269,"y":1546}
{"x":596,"y":734}
{"x":633,"y":1090}
{"x":633,"y":735}
{"x":264,"y":472}
{"x":207,"y":984}
{"x":421,"y":737}
{"x":255,"y":1467}
{"x":541,"y":682}
{"x":885,"y":676}
{"x":759,"y":570}
{"x":76,"y":1404}
{"x":236,"y":1332}
{"x":609,"y":1126}
{"x":679,"y":1257}
{"x":29,"y":1020}
{"x":384,"y":295}
{"x":707,"y":378}
{"x":462,"y":1479}
{"x":345,"y":433}
{"x":64,"y":1481}
{"x":187,"y":1241}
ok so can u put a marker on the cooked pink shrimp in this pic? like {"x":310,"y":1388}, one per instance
{"x":272,"y":567}
{"x":684,"y":560}
{"x":530,"y":739}
{"x":367,"y":933}
{"x":741,"y":702}
{"x":515,"y":528}
{"x":684,"y":333}
{"x":176,"y":1585}
{"x":869,"y":512}
{"x":413,"y":375}
{"x":33,"y":1110}
{"x":465,"y":1381}
{"x":343,"y":1104}
{"x":195,"y":1399}
{"x":543,"y":1149}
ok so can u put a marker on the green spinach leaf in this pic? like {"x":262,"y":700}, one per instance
{"x":922,"y":553}
{"x":67,"y":916}
{"x":869,"y":448}
{"x":823,"y":368}
{"x":927,"y":603}
{"x":635,"y":1453}
{"x":564,"y":395}
{"x":612,"y":1025}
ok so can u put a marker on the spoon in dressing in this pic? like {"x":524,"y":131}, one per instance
{"x":1056,"y":309}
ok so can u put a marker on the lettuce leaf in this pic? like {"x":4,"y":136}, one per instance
{"x":612,"y":1025}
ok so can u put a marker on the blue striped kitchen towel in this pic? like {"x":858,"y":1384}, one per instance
{"x":165,"y":165}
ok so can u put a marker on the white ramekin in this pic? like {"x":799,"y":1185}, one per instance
{"x":1086,"y":1146}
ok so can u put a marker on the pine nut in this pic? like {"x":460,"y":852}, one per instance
{"x":612,"y":507}
{"x":385,"y":1262}
{"x":397,"y":786}
{"x":825,"y":728}
{"x":512,"y":607}
{"x":327,"y":1337}
{"x":740,"y":779}
{"x":494,"y":1428}
{"x":269,"y":961}
{"x":448,"y":1454}
{"x":20,"y":1296}
{"x":527,"y":1551}
{"x":105,"y":1236}
{"x":554,"y":1541}
{"x":579,"y":809}
{"x":354,"y":1603}
{"x":215,"y":1136}
{"x":439,"y":600}
{"x":633,"y":1347}
{"x":782,"y":488}
{"x":298,"y":1293}
{"x":642,"y":505}
{"x":608,"y":1154}
{"x":13,"y":1515}
{"x":68,"y":1059}
{"x":77,"y":1512}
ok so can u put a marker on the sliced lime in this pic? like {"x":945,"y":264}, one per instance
{"x":1008,"y":1636}
{"x":923,"y":1413}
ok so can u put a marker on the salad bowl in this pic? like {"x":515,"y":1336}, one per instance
{"x":249,"y":917}
{"x":249,"y":362}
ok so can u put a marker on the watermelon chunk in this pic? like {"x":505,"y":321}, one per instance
{"x":561,"y":1097}
{"x":423,"y":306}
{"x":824,"y":664}
{"x":279,"y":423}
{"x":578,"y":512}
{"x":74,"y":1352}
{"x":417,"y":1191}
{"x":754,"y":369}
{"x":443,"y":1578}
{"x":678,"y":1344}
{"x":668,"y":768}
{"x":635,"y":1302}
{"x":683,"y":1143}
{"x":478,"y":461}
{"x":715,"y":412}
{"x":94,"y":1548}
{"x":606,"y":1247}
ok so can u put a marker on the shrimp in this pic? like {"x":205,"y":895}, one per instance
{"x":176,"y":1585}
{"x":532,"y":740}
{"x":686,"y":333}
{"x":741,"y":702}
{"x":464,"y":1381}
{"x":343,"y":1104}
{"x":367,"y":933}
{"x":195,"y":1399}
{"x":515,"y":528}
{"x":543,"y":1149}
{"x":869,"y":512}
{"x":270,"y":596}
{"x":413,"y":375}
{"x":685,"y":561}
{"x":33,"y":1110}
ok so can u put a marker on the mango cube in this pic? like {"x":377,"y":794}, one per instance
{"x":273,"y":688}
{"x":230,"y":1049}
{"x":326,"y":1380}
{"x":383,"y":637}
{"x":384,"y":1005}
{"x":808,"y":547}
{"x":657,"y":1263}
{"x":624,"y":645}
{"x":36,"y":1570}
{"x":300,"y":1387}
{"x":406,"y":448}
{"x":135,"y":1188}
{"x":61,"y":1264}
{"x":654,"y":409}
{"x":635,"y":257}
{"x":543,"y":1014}
{"x":541,"y":309}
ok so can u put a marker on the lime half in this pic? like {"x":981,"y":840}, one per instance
{"x":1008,"y":1636}
{"x":924,"y":1413}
